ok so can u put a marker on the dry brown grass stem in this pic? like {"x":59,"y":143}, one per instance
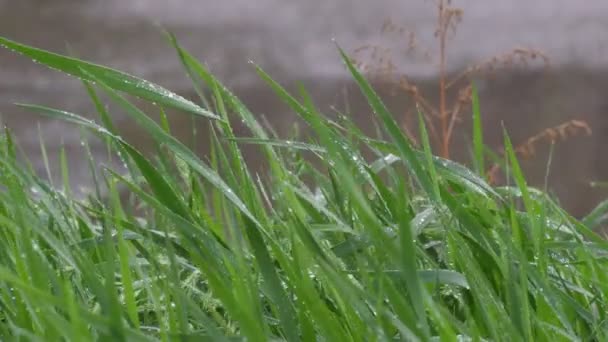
{"x":442,"y":117}
{"x":447,"y":17}
{"x":510,"y":59}
{"x":551,"y":135}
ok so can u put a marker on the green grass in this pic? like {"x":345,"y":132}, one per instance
{"x":402,"y":246}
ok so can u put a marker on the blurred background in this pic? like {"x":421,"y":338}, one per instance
{"x":292,"y":40}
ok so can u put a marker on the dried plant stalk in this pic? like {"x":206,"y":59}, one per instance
{"x":441,"y":118}
{"x":551,"y":135}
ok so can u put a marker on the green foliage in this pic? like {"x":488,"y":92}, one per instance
{"x":404,"y":246}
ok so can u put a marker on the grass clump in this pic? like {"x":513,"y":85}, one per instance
{"x":405,"y":246}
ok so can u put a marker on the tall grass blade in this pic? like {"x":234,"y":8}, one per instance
{"x":478,"y":144}
{"x":115,"y":79}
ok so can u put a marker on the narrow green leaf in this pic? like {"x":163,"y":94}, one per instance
{"x":115,"y":79}
{"x":597,"y":217}
{"x":407,"y":151}
{"x":478,"y":144}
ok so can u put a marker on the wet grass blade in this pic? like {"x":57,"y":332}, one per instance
{"x":115,"y":79}
{"x":478,"y":144}
{"x":597,"y":217}
{"x":407,"y":151}
{"x":537,"y":229}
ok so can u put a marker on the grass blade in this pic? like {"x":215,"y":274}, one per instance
{"x":115,"y":79}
